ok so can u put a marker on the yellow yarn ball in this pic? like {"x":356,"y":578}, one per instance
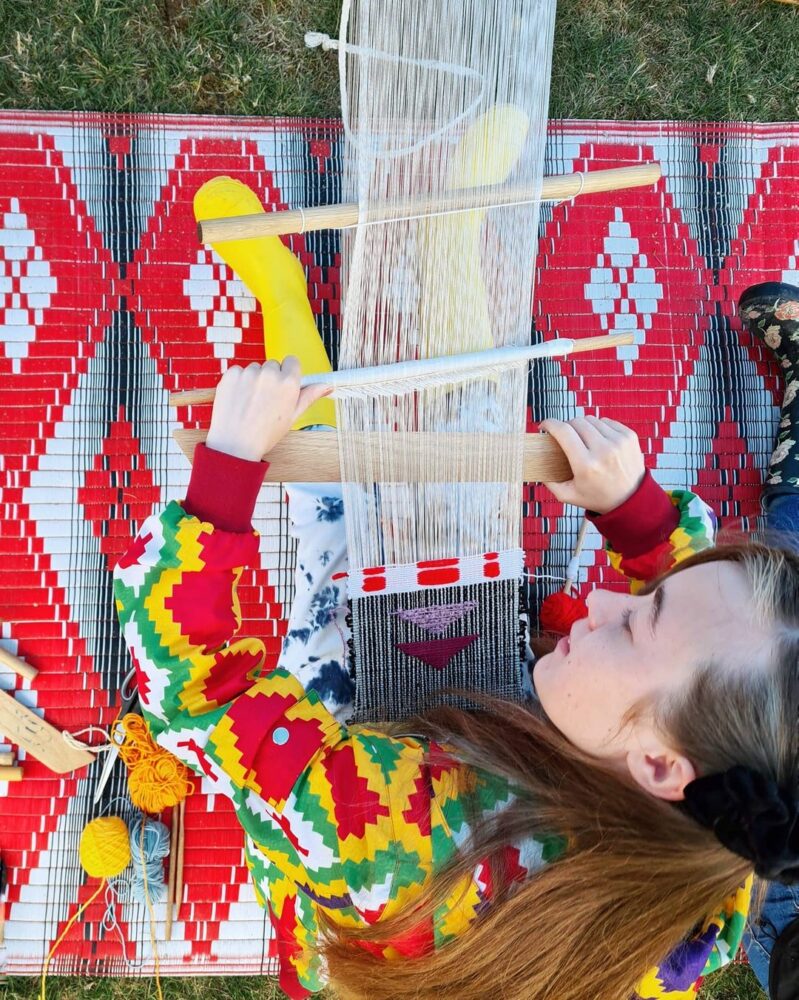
{"x":105,"y":847}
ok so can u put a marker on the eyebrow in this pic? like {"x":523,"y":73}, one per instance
{"x":657,"y":608}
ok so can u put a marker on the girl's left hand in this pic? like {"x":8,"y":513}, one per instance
{"x":254,"y":407}
{"x":606,"y":461}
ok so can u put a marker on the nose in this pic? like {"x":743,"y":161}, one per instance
{"x":603,"y":605}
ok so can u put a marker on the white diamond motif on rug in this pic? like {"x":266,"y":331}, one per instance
{"x":26,"y":285}
{"x":222,"y":302}
{"x":623,"y":291}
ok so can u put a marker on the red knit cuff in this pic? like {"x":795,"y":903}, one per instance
{"x":223,"y":489}
{"x":642,"y":522}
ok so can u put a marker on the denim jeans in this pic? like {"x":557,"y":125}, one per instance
{"x":782,"y":902}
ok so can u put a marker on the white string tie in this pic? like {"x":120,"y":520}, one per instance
{"x":99,"y":748}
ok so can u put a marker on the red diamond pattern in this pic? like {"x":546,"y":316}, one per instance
{"x":61,"y":292}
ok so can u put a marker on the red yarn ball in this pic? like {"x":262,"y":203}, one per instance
{"x":559,"y":612}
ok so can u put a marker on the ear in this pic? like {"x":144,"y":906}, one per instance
{"x":662,"y":772}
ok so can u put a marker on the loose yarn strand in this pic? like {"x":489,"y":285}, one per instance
{"x":151,"y":914}
{"x":63,"y":934}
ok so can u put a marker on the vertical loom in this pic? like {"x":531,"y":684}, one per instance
{"x":444,"y":108}
{"x":437,"y":98}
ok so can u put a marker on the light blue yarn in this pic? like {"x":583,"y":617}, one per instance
{"x":156,"y":848}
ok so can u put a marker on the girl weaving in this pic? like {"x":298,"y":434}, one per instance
{"x":592,"y":843}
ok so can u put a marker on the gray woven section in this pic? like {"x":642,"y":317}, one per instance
{"x":394,"y":684}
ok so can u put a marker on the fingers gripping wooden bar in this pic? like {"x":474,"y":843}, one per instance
{"x":303,"y":220}
{"x":426,"y":457}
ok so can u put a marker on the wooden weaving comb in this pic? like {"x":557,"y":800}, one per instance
{"x":22,"y":726}
{"x":41,"y":740}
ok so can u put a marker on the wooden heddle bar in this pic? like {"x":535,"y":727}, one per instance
{"x":305,"y":220}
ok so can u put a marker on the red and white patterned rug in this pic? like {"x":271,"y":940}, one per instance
{"x":108,"y":304}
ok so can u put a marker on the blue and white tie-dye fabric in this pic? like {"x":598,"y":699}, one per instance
{"x":316,"y":647}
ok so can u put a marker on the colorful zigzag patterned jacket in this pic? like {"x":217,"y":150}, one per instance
{"x":339,"y":818}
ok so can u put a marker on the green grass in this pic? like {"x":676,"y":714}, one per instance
{"x":694,"y":59}
{"x":196,"y":988}
{"x":687,"y":59}
{"x":734,"y":983}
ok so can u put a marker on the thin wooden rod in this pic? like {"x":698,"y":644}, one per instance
{"x":18,"y":666}
{"x":181,"y":854}
{"x":360,"y":376}
{"x":435,"y":457}
{"x":304,"y":220}
{"x":170,"y":892}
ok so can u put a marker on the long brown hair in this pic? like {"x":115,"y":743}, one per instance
{"x":638,"y":873}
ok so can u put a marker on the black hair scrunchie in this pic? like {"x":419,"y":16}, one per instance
{"x":752,"y":816}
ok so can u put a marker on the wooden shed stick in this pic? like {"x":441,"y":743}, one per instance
{"x":303,"y":220}
{"x":199,"y":397}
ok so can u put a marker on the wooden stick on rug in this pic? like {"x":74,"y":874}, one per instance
{"x":181,"y":838}
{"x":170,"y":892}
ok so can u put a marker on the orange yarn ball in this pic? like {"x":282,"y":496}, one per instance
{"x":560,"y":611}
{"x":156,"y":778}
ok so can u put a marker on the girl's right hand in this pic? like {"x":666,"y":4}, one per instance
{"x":606,"y":461}
{"x":254,"y":407}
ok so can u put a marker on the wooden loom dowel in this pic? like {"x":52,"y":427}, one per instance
{"x":6,"y":757}
{"x":170,"y":892}
{"x":179,"y":865}
{"x":303,"y":457}
{"x":200,"y":397}
{"x":18,"y":666}
{"x":282,"y":223}
{"x":10,"y":772}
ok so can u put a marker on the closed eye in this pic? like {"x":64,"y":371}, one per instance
{"x":625,"y":622}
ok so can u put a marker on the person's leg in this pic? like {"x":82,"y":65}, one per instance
{"x":780,"y":910}
{"x":316,"y":647}
{"x":771,"y":312}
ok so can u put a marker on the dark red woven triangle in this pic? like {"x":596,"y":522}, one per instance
{"x":437,"y":652}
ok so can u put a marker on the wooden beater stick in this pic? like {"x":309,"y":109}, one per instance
{"x":304,"y":220}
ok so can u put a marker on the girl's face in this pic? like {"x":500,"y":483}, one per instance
{"x":646,"y":648}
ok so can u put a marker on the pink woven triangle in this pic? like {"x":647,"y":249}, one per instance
{"x":437,"y":653}
{"x":438,"y":617}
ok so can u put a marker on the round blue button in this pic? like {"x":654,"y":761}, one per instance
{"x":280,"y":736}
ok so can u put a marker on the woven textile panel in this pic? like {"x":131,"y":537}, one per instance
{"x":108,"y":304}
